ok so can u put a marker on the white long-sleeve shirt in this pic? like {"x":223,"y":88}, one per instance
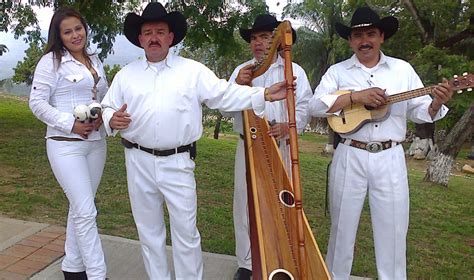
{"x":165,"y":100}
{"x":277,"y":110}
{"x":392,"y":74}
{"x":55,"y":92}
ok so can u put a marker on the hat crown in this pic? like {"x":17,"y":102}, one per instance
{"x":264,"y":20}
{"x":154,"y":10}
{"x":364,"y":15}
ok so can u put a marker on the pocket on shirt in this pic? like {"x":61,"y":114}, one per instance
{"x":184,"y":99}
{"x":75,"y":78}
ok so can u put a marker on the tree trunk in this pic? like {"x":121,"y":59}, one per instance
{"x":442,"y":162}
{"x":217,"y":128}
{"x":426,"y":29}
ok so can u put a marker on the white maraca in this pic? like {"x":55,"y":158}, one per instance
{"x":82,"y":112}
{"x":95,"y":110}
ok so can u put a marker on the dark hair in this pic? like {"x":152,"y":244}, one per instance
{"x":55,"y":44}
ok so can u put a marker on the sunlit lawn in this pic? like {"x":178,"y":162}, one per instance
{"x":441,"y":233}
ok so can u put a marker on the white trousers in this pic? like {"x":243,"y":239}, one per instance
{"x":354,"y":172}
{"x":78,"y":168}
{"x":153,"y":181}
{"x":240,"y":210}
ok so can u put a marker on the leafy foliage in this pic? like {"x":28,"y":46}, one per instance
{"x":25,"y":69}
{"x":20,"y":19}
{"x":214,"y":21}
{"x":111,"y":71}
{"x":418,"y":42}
{"x":432,"y":65}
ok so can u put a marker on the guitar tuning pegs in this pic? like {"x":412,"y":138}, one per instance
{"x":459,"y":91}
{"x":464,"y":74}
{"x":455,"y":76}
{"x":469,"y":89}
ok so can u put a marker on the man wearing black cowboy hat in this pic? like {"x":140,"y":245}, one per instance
{"x":155,"y":103}
{"x":259,"y":39}
{"x":371,"y":159}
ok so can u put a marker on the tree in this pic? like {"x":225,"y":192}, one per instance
{"x":317,"y":36}
{"x":215,"y":21}
{"x":440,"y":166}
{"x":209,"y":21}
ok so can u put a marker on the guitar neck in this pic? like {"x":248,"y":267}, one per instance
{"x":409,"y":94}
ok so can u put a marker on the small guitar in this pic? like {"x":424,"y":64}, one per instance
{"x":355,"y":116}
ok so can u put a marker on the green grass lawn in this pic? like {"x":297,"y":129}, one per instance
{"x":440,"y":237}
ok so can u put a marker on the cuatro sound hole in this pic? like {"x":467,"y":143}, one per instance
{"x":280,"y":274}
{"x":287,"y":198}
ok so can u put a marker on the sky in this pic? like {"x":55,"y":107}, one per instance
{"x":124,"y":51}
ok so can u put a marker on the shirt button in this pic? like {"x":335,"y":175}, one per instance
{"x":371,"y":76}
{"x":376,"y":125}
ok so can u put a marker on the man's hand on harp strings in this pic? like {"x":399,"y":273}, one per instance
{"x":277,"y":91}
{"x":278,"y":130}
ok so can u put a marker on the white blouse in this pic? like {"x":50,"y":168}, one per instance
{"x":57,"y":90}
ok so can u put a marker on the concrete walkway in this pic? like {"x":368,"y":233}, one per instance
{"x":34,"y":251}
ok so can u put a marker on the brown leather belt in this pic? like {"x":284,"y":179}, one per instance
{"x":373,"y":147}
{"x":155,"y":152}
{"x":61,"y":138}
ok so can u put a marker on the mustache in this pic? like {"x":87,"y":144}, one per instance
{"x":153,"y":43}
{"x":365,"y":46}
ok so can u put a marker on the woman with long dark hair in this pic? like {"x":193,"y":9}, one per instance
{"x":67,"y":88}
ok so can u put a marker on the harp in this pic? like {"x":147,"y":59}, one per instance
{"x":282,"y":243}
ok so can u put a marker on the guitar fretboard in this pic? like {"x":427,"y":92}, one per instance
{"x":409,"y":94}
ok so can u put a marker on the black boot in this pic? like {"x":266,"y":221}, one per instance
{"x":75,"y":275}
{"x":242,"y":274}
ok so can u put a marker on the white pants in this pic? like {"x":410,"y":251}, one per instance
{"x":354,"y":172}
{"x":153,"y":181}
{"x":240,"y":210}
{"x":78,"y":168}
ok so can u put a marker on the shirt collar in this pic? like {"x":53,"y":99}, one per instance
{"x":67,"y":56}
{"x":354,"y":61}
{"x":169,"y":61}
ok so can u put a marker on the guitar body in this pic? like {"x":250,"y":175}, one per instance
{"x":355,"y":116}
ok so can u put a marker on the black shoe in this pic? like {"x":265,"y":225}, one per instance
{"x":75,"y":275}
{"x":242,"y":274}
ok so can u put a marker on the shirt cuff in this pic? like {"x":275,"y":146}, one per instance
{"x":106,"y":116}
{"x":441,"y":113}
{"x":329,"y":100}
{"x":258,"y":103}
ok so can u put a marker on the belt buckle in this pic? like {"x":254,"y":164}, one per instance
{"x":374,"y":147}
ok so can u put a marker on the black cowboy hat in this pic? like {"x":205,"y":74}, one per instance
{"x":264,"y":22}
{"x":366,"y":17}
{"x":155,"y":12}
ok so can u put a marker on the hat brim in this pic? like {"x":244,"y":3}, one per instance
{"x":246,"y":33}
{"x":388,"y":25}
{"x":176,"y":22}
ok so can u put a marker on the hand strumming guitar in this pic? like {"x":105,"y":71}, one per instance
{"x":372,"y":97}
